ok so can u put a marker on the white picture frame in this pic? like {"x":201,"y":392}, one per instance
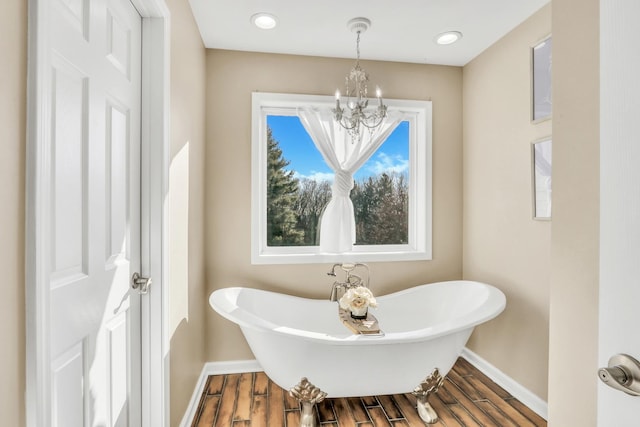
{"x":541,"y":167}
{"x":541,"y":94}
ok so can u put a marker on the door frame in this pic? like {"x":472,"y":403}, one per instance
{"x":155,"y":119}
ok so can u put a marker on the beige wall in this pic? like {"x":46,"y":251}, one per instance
{"x":502,"y":244}
{"x":573,"y":346}
{"x":231,"y":77}
{"x":13,"y":81}
{"x":187,"y":285}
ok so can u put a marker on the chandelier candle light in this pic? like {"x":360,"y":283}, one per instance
{"x":356,"y":117}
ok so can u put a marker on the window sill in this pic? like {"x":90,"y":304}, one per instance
{"x":310,"y":255}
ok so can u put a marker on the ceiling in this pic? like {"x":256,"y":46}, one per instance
{"x":401,"y":30}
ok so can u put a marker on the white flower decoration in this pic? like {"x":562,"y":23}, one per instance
{"x":357,"y":300}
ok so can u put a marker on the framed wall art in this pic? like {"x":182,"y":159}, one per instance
{"x":541,"y":178}
{"x":541,"y":101}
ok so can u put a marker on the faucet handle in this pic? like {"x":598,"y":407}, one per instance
{"x":347,"y":267}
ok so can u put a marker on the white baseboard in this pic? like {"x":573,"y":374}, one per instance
{"x":525,"y":396}
{"x":215,"y":368}
{"x":518,"y":391}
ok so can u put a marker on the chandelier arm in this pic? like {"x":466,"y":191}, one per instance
{"x":374,"y":125}
{"x":352,"y":124}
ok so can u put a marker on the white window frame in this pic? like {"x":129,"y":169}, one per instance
{"x":419,"y":116}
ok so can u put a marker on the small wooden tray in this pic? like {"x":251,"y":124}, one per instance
{"x":368,"y":326}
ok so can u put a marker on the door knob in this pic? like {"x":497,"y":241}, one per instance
{"x":623,"y":373}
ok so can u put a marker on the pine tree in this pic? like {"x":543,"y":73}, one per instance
{"x":392,"y":212}
{"x":282,"y":192}
{"x":380,"y":206}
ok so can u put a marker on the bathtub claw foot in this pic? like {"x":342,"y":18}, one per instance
{"x":426,"y":388}
{"x":308,"y":395}
{"x":426,"y":412}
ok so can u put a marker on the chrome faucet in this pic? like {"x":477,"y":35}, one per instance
{"x":350,"y":281}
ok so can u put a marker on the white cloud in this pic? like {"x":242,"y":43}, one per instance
{"x":316,"y":176}
{"x":389,"y":164}
{"x":382,"y":163}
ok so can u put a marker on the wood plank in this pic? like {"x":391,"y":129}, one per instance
{"x":464,"y":400}
{"x":276,"y":406}
{"x":444,"y":393}
{"x":399,"y":423}
{"x":500,"y":419}
{"x":464,"y":416}
{"x":463,"y":367}
{"x":259,"y":410}
{"x":242,"y":423}
{"x":293,"y":418}
{"x":207,"y":412}
{"x":444,"y":414}
{"x":200,"y":409}
{"x":325,"y":411}
{"x":244,"y":398}
{"x":536,"y":419}
{"x":228,"y":401}
{"x":390,"y":407}
{"x":341,"y":406}
{"x":370,"y":401}
{"x":215,"y":384}
{"x":358,"y":410}
{"x":260,"y":383}
{"x":480,"y":378}
{"x":464,"y":386}
{"x":378,"y":417}
{"x":509,"y":410}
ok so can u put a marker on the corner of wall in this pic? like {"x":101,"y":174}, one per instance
{"x":13,"y":107}
{"x":573,"y":346}
{"x":188,"y":302}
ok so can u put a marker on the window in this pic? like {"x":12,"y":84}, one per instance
{"x":291,"y":186}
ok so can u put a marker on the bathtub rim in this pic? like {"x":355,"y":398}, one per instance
{"x":491,"y":308}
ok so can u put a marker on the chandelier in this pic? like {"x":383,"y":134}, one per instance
{"x":356,"y":117}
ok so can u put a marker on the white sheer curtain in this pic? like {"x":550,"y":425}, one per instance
{"x":345,"y":157}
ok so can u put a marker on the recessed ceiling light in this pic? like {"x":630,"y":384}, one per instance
{"x":448,"y":37}
{"x":264,"y":21}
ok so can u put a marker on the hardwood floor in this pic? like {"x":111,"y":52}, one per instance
{"x":467,"y":398}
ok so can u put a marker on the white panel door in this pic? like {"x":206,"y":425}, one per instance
{"x":619,"y":202}
{"x":94,"y":200}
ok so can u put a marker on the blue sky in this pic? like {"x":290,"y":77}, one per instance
{"x":306,"y":161}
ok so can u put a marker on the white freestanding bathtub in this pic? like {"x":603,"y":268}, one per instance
{"x":425,"y":327}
